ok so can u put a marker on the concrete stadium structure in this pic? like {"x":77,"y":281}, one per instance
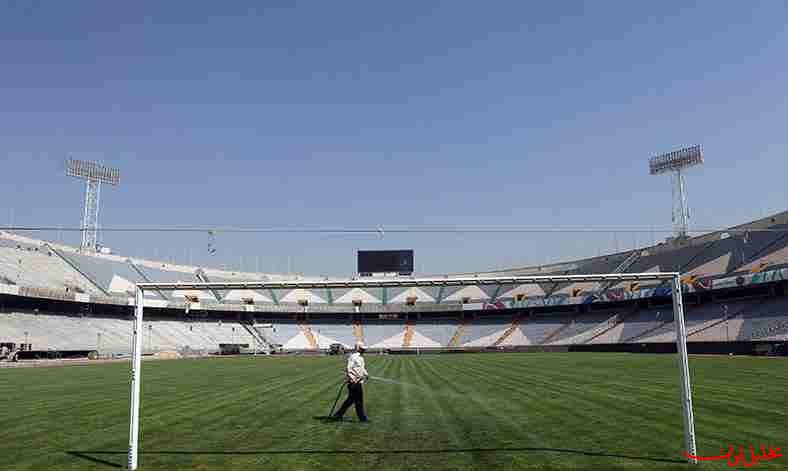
{"x":56,"y":298}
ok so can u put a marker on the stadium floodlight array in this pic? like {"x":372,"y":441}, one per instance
{"x":674,"y":162}
{"x":94,"y":174}
{"x":673,"y":278}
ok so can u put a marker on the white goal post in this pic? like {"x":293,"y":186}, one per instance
{"x":672,"y":277}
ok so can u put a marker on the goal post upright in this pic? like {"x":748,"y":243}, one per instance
{"x":673,"y":278}
{"x":681,"y":350}
{"x":136,"y":380}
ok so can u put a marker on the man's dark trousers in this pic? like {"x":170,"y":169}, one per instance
{"x":355,"y":396}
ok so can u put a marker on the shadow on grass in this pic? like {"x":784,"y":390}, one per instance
{"x":327,"y":419}
{"x":92,"y":455}
{"x":85,"y":455}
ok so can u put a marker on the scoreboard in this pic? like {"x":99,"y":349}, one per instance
{"x":385,"y":261}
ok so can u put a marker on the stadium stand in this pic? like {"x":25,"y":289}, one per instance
{"x":37,"y":266}
{"x":726,"y":326}
{"x":283,"y":331}
{"x":112,"y":276}
{"x":113,"y":336}
{"x":765,"y":320}
{"x":538,"y":328}
{"x":378,"y":332}
{"x":513,"y":327}
{"x":747,"y":320}
{"x":484,"y":332}
{"x":438,"y":331}
{"x":97,"y":290}
{"x":331,"y":331}
{"x":583,"y":327}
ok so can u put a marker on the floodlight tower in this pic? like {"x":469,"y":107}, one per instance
{"x":94,"y":174}
{"x":675,"y":162}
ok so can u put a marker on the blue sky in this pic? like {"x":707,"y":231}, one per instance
{"x":393,"y":114}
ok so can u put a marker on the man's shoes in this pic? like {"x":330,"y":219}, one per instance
{"x":334,"y":418}
{"x":364,"y":420}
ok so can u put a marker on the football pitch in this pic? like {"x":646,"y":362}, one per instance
{"x":449,"y":412}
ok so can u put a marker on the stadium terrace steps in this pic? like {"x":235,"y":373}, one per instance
{"x":258,"y":337}
{"x":299,"y":342}
{"x":767,"y":319}
{"x":509,"y":331}
{"x":482,"y":332}
{"x":455,"y":338}
{"x":514,"y":339}
{"x":583,"y":327}
{"x":358,"y":332}
{"x":408,"y":337}
{"x":284,"y":332}
{"x":698,"y":317}
{"x":539,"y":328}
{"x":763,"y":247}
{"x":720,"y":328}
{"x":383,"y":334}
{"x":767,"y":261}
{"x":777,"y":332}
{"x":557,"y":332}
{"x":265,"y":336}
{"x":648,"y":331}
{"x":489,"y":340}
{"x":767,"y":327}
{"x":160,"y":335}
{"x":435,"y":331}
{"x":655,"y":322}
{"x":634,"y":326}
{"x":310,"y":337}
{"x":333,"y":331}
{"x":420,"y":341}
{"x":613,"y":329}
{"x":193,"y":335}
{"x":776,"y":329}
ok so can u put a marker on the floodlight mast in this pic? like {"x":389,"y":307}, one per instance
{"x":94,"y":174}
{"x":675,"y":162}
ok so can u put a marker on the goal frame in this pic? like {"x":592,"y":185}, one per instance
{"x":674,"y":278}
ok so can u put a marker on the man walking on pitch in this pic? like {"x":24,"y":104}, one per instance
{"x":356,"y":375}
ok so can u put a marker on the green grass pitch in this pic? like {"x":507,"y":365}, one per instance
{"x":453,"y":412}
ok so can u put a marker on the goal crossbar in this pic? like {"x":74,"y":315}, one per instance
{"x":673,"y":277}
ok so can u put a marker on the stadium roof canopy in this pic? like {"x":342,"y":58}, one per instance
{"x":407,"y":282}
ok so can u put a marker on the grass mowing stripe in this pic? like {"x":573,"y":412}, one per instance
{"x":576,"y":408}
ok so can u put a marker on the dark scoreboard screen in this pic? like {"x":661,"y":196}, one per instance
{"x":385,"y":261}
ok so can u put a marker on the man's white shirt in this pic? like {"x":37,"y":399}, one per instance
{"x":356,"y":370}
